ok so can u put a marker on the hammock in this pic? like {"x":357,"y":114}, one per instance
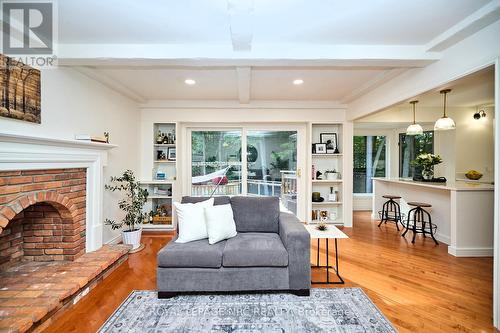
{"x":205,"y":178}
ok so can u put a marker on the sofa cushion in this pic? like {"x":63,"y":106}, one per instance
{"x":223,"y":200}
{"x":253,"y":249}
{"x":193,"y":254}
{"x":256,"y":214}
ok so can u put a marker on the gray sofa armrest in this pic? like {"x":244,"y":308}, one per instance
{"x":297,"y":242}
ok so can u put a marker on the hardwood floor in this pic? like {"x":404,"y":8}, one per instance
{"x":419,"y":287}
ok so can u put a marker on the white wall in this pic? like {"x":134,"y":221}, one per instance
{"x":75,"y":104}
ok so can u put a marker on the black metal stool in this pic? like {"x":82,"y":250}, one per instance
{"x":419,"y":221}
{"x":391,"y":211}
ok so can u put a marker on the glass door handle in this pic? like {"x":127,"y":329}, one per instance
{"x":299,"y":172}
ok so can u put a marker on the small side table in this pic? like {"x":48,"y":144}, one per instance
{"x":331,"y":233}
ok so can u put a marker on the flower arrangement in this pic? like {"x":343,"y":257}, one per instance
{"x":427,"y":161}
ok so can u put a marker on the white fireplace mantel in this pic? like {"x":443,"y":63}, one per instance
{"x":20,"y":152}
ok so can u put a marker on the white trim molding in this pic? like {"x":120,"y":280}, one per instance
{"x":496,"y":243}
{"x":19,"y":152}
{"x":470,"y":251}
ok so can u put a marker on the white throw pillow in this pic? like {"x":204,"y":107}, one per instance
{"x":220,"y":223}
{"x":191,"y":219}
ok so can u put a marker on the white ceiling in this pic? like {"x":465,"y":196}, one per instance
{"x":474,"y":90}
{"x":341,"y":49}
{"x":368,"y":22}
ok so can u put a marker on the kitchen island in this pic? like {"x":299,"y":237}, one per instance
{"x":463,"y":211}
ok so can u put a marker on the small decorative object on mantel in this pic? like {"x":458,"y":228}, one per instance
{"x":427,"y":161}
{"x":106,"y":136}
{"x":86,"y":137}
{"x":132,"y":205}
{"x":330,"y":139}
{"x":322,"y":226}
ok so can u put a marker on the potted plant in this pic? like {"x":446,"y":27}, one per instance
{"x":331,"y":174}
{"x":427,"y":161}
{"x":132,"y":205}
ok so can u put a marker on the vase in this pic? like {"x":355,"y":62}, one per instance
{"x":132,"y":238}
{"x":428,"y":173}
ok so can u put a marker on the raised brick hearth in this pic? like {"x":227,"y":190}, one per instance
{"x":42,"y":215}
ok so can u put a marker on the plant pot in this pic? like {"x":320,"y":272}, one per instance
{"x":428,"y":173}
{"x":332,"y":175}
{"x":132,"y":238}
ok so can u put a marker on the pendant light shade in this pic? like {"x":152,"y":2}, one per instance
{"x":414,"y":129}
{"x":444,"y":123}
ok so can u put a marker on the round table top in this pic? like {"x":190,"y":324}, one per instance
{"x":419,"y":204}
{"x":388,"y":196}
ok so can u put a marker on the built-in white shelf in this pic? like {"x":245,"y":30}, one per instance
{"x":326,"y":155}
{"x":327,"y":181}
{"x":157,"y":182}
{"x":327,"y":203}
{"x":158,"y":196}
{"x":164,"y":161}
{"x":158,"y":226}
{"x":164,"y":145}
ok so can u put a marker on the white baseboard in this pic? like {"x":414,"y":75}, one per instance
{"x":442,"y":238}
{"x":471,"y":251}
{"x":115,"y":240}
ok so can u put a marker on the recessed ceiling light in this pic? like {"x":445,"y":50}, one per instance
{"x":190,"y":82}
{"x":298,"y":82}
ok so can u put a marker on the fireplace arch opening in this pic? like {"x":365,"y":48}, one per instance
{"x":46,"y":230}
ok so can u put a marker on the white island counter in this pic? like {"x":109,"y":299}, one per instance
{"x":462,"y":211}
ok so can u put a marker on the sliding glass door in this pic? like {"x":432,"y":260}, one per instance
{"x":271,"y":166}
{"x":215,"y":162}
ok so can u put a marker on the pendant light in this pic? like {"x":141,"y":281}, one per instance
{"x":414,"y":129}
{"x":444,"y":123}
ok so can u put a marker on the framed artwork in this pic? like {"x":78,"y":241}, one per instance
{"x":171,"y":155}
{"x":19,"y":91}
{"x":330,"y":139}
{"x":320,"y":148}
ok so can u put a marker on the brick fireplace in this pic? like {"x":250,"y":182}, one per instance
{"x":43,"y":215}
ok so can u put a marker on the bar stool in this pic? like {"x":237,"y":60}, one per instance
{"x":391,"y":211}
{"x":419,"y":221}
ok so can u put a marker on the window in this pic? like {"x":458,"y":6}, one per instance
{"x":215,"y":163}
{"x":369,"y":161}
{"x":409,"y":147}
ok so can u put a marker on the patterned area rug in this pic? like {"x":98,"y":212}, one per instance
{"x":326,"y":310}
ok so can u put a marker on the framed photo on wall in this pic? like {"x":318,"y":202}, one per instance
{"x":171,"y":155}
{"x":330,"y":139}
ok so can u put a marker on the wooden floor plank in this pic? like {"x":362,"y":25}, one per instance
{"x":419,"y":287}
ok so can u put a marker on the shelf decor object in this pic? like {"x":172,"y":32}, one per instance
{"x":444,"y":123}
{"x":414,"y":129}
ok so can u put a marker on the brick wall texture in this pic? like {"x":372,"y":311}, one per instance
{"x":42,"y":215}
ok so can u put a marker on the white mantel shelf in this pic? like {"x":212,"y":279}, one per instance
{"x":35,"y":140}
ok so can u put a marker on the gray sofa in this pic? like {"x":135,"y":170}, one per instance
{"x":270,"y":252}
